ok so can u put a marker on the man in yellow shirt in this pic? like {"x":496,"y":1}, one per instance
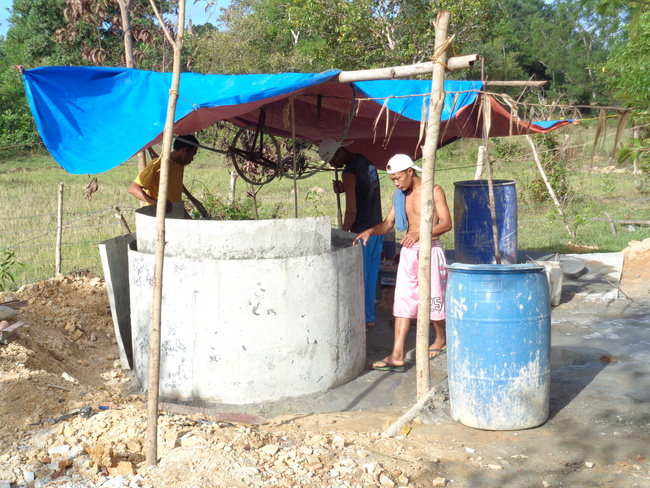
{"x":145,"y":186}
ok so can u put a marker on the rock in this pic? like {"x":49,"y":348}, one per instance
{"x":67,"y":377}
{"x":386,"y":482}
{"x":590,"y":464}
{"x":338,"y":442}
{"x":371,"y":467}
{"x":191,"y":440}
{"x":123,"y":468}
{"x":439,"y":482}
{"x":495,"y":466}
{"x":270,"y":449}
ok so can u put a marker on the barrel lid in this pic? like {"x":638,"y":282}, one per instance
{"x":495,"y":268}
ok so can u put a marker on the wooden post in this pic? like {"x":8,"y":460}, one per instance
{"x":339,"y":214}
{"x":427,"y":207}
{"x":253,"y":195}
{"x":155,"y":336}
{"x":59,"y":232}
{"x":487,"y":120}
{"x":480,"y":162}
{"x":231,"y":190}
{"x":635,"y":161}
{"x":293,"y":159}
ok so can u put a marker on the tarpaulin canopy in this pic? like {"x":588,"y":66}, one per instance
{"x":93,"y":119}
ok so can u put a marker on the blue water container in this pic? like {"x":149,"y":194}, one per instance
{"x":473,"y":235}
{"x":498,"y":345}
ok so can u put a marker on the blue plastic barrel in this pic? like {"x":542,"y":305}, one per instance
{"x":498,"y":345}
{"x":473,"y":235}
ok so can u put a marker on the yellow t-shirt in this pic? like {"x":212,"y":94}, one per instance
{"x":149,"y":180}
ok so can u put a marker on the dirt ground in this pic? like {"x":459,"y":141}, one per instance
{"x":65,"y":359}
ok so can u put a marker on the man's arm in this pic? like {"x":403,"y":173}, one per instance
{"x":443,"y":223}
{"x":380,"y":229}
{"x":138,"y":192}
{"x":349,"y":187}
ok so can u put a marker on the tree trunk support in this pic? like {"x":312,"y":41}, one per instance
{"x":427,"y":206}
{"x":153,"y":392}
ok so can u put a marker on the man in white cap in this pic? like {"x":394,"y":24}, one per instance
{"x":362,"y":210}
{"x":405,"y":215}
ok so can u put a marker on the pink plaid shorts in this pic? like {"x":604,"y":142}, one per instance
{"x":406,"y":286}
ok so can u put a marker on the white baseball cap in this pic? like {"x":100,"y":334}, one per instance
{"x":400,"y":162}
{"x":327,"y":149}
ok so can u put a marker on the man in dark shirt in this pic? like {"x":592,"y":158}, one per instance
{"x":362,"y":210}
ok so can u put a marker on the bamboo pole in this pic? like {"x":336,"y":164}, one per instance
{"x":59,"y":232}
{"x":452,"y":64}
{"x":427,"y":206}
{"x":548,"y":186}
{"x":155,"y":335}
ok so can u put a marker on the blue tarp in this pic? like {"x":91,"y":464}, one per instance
{"x":93,"y":119}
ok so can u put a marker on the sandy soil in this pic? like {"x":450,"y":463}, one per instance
{"x":66,"y":359}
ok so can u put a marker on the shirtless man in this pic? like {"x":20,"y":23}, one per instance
{"x":405,"y":215}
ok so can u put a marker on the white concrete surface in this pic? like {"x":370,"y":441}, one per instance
{"x":235,"y":239}
{"x":242,"y":331}
{"x":113,"y":253}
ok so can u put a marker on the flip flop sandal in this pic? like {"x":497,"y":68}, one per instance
{"x":439,"y":352}
{"x":384,"y":366}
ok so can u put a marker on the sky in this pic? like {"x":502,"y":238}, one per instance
{"x":193,"y":10}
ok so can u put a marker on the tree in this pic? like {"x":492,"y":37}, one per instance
{"x":315,"y":35}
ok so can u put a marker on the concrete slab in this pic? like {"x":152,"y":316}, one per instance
{"x":579,"y":338}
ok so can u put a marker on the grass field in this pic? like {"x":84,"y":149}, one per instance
{"x":590,"y":186}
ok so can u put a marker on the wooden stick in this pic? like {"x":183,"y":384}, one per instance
{"x":548,"y":186}
{"x":123,"y":222}
{"x":396,"y":426}
{"x":622,"y":222}
{"x":427,"y":207}
{"x":59,"y":232}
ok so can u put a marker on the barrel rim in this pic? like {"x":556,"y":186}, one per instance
{"x":481,"y":183}
{"x":496,"y":268}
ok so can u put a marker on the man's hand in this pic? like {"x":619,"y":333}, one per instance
{"x":337,"y":186}
{"x":364,"y":236}
{"x":410,"y":239}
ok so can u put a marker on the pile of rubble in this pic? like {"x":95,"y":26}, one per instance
{"x":70,"y":417}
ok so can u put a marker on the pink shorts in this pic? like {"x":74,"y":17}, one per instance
{"x":406,"y":286}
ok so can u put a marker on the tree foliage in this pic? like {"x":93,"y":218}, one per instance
{"x":567,"y":42}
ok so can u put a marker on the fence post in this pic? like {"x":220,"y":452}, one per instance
{"x":59,"y":232}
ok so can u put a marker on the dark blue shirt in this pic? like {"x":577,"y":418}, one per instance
{"x":366,"y":192}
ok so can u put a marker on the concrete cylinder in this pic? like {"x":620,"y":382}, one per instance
{"x":248,"y":330}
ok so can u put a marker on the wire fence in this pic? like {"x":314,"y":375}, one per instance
{"x":601,"y":197}
{"x":32,"y":243}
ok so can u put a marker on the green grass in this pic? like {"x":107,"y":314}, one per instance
{"x":29,"y":191}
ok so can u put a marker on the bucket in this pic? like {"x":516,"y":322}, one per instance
{"x":554,"y":275}
{"x":473,"y":235}
{"x":498,"y":345}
